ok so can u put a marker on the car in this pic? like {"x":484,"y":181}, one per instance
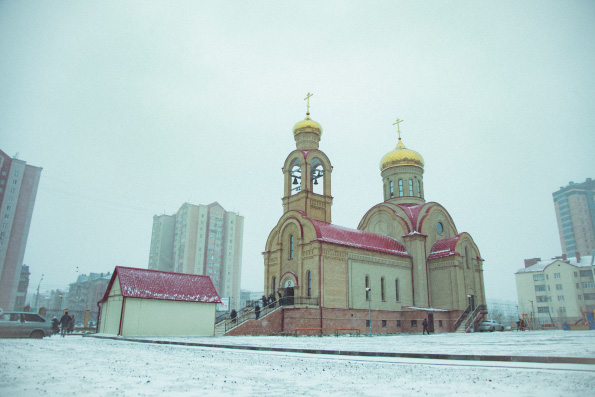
{"x":24,"y":325}
{"x":490,"y":325}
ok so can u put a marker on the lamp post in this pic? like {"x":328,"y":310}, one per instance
{"x":369,"y":296}
{"x":532,"y":309}
{"x":37,"y":295}
{"x":471,"y":301}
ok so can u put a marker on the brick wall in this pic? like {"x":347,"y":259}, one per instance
{"x":286,"y":320}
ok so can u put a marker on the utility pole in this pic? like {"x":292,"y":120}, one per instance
{"x":369,"y":293}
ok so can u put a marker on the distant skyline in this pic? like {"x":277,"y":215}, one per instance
{"x":134,"y":108}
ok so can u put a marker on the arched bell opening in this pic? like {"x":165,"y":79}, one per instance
{"x":317,"y":179}
{"x":296,"y":177}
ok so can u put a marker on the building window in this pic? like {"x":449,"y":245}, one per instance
{"x":580,"y":297}
{"x":411,"y":187}
{"x":398,"y":323}
{"x":368,"y":323}
{"x":384,"y":323}
{"x":309,"y":277}
{"x":562,"y":309}
{"x":558,"y":287}
{"x":589,"y":297}
{"x":274,"y":284}
{"x":560,"y":298}
{"x":539,"y":288}
{"x":291,"y":246}
{"x":400,"y":188}
{"x":392,"y":189}
{"x":413,"y":323}
{"x":586,"y":273}
{"x":575,"y":274}
{"x":382,"y":289}
{"x":418,"y":189}
{"x":367,"y":288}
{"x":467,"y":257}
{"x":397,"y":289}
{"x":556,"y":275}
{"x":440,"y":323}
{"x":538,"y":277}
{"x":543,"y":309}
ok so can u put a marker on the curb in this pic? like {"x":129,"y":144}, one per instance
{"x":464,"y":357}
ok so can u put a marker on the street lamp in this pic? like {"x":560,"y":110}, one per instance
{"x":369,"y":296}
{"x":532,"y":319}
{"x":37,"y":295}
{"x":472,"y":312}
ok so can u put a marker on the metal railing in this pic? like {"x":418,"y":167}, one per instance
{"x":463,"y":317}
{"x":477,"y":310}
{"x":248,"y":313}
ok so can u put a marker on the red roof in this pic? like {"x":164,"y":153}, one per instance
{"x":445,"y":247}
{"x":339,"y":235}
{"x":154,"y":284}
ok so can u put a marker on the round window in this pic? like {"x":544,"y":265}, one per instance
{"x":439,"y":228}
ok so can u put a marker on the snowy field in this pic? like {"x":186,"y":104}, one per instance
{"x":100,"y":367}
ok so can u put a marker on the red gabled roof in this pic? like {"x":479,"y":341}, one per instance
{"x":154,"y":284}
{"x":445,"y":247}
{"x":339,"y":235}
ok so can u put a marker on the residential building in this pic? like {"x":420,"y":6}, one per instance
{"x":21,"y":300}
{"x":405,"y":262}
{"x":575,"y":213}
{"x":204,"y":240}
{"x":84,"y":294}
{"x":18,"y":188}
{"x":557,"y":290}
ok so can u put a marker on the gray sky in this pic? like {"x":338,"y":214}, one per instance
{"x":133,"y":108}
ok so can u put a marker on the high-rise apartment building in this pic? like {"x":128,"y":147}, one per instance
{"x":575,"y":213}
{"x":201,"y":239}
{"x":18,"y":188}
{"x":21,"y":299}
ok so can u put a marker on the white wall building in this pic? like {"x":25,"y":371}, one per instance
{"x":557,"y":290}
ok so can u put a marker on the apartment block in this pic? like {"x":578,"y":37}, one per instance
{"x":18,"y":188}
{"x":201,"y":239}
{"x":575,"y":213}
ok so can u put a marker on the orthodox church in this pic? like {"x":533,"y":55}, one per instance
{"x":405,"y":262}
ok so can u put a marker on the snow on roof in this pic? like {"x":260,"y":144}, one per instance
{"x":340,"y":235}
{"x":427,"y":309}
{"x":585,"y":261}
{"x":154,"y":284}
{"x":444,"y":247}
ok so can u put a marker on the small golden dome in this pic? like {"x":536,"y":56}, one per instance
{"x":401,"y":156}
{"x":307,"y":125}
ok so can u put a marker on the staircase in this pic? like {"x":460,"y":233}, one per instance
{"x":463,"y":324}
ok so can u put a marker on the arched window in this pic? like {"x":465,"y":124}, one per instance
{"x":397,"y":289}
{"x":296,"y":177}
{"x":274,"y":284}
{"x":411,"y":187}
{"x":418,"y":189}
{"x":291,"y":246}
{"x":392,"y":189}
{"x":467,"y":257}
{"x":382,"y":289}
{"x":400,"y":188}
{"x":367,"y":286}
{"x":309,"y":277}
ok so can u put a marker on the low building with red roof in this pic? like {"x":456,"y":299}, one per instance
{"x":142,"y":302}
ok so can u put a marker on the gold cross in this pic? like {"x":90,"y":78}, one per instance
{"x":398,"y":129}
{"x":307,"y":99}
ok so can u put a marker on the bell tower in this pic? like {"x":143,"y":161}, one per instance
{"x":307,"y":172}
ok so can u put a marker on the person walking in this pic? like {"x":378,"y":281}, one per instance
{"x":234,"y":314}
{"x":425,"y":325}
{"x":64,"y":321}
{"x":257,"y":311}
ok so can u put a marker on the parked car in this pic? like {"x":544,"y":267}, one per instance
{"x":24,"y":325}
{"x":490,"y":325}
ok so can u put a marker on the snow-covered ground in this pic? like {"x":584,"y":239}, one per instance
{"x":103,"y":367}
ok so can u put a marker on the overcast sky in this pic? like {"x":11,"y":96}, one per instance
{"x":133,"y":108}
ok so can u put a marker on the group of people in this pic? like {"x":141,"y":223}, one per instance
{"x":65,"y":324}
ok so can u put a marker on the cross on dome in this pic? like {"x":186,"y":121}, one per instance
{"x":307,"y":99}
{"x":398,"y":129}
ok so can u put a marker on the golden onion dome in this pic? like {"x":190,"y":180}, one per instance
{"x":307,"y":125}
{"x":401,"y":156}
